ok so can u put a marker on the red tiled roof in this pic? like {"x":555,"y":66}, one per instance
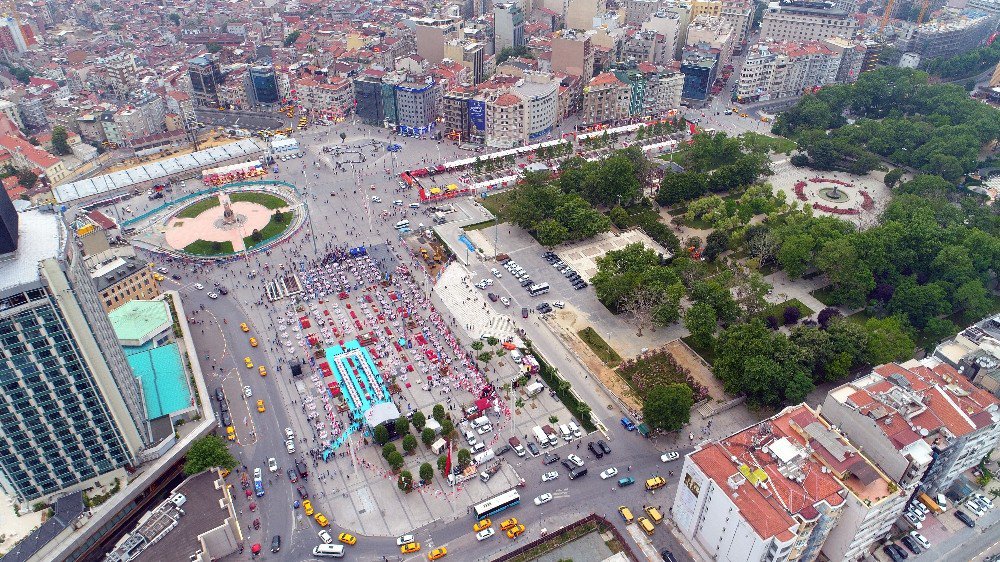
{"x":506,"y":100}
{"x":604,"y":79}
{"x":35,"y":155}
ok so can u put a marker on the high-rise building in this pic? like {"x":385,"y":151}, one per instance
{"x":573,"y":53}
{"x":508,"y":22}
{"x":606,"y":99}
{"x":262,"y":84}
{"x":699,"y":71}
{"x":430,"y":35}
{"x":798,"y":21}
{"x":206,"y":77}
{"x":416,"y":107}
{"x":72,"y":409}
{"x":580,"y":14}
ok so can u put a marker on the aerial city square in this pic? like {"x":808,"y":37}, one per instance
{"x":576,"y":280}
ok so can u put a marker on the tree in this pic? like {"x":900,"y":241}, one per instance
{"x":59,"y":143}
{"x":213,"y":47}
{"x":677,"y":188}
{"x":892,"y":177}
{"x":442,"y":463}
{"x":438,"y":413}
{"x":791,"y":315}
{"x":701,"y":321}
{"x":409,"y":443}
{"x":668,"y":407}
{"x":405,"y":481}
{"x":395,"y":461}
{"x":638,"y":307}
{"x":716,"y":243}
{"x":716,"y":294}
{"x":380,"y":435}
{"x":402,"y":425}
{"x":427,"y":436}
{"x":826,"y":315}
{"x":938,"y":329}
{"x":520,"y":51}
{"x":551,"y":233}
{"x":795,"y":254}
{"x":419,"y":420}
{"x":208,"y":452}
{"x":464,"y":458}
{"x":447,"y":427}
{"x":888,"y":340}
{"x":919,"y":303}
{"x":388,"y":449}
{"x":256,"y":236}
{"x":21,"y":74}
{"x":343,"y":136}
{"x":292,"y":38}
{"x":619,"y":217}
{"x":27,"y":178}
{"x":850,"y":277}
{"x":175,"y":18}
{"x":750,"y":291}
{"x":426,"y":472}
{"x":278,"y":217}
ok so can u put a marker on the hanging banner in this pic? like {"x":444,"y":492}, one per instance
{"x":477,"y":114}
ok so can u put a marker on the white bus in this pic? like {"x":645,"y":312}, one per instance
{"x":495,"y":505}
{"x":538,"y":289}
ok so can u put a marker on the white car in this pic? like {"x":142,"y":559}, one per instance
{"x":290,"y":447}
{"x":575,"y":460}
{"x":257,"y":473}
{"x":272,"y":465}
{"x":325,"y":536}
{"x":559,"y":304}
{"x":481,"y":284}
{"x":484,"y":429}
{"x":913,"y":520}
{"x":485,"y":534}
{"x":247,"y":391}
{"x":199,"y":286}
{"x":405,"y":539}
{"x":496,"y":273}
{"x":487,"y":282}
{"x":609,"y":473}
{"x":984,"y":501}
{"x":549,"y":476}
{"x":213,"y":295}
{"x":376,"y":199}
{"x":398,"y":202}
{"x":544,"y":498}
{"x":920,"y":539}
{"x":671,"y":456}
{"x":289,"y":434}
{"x":505,"y":301}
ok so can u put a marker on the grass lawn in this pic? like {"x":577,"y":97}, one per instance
{"x":861,"y":316}
{"x":824,"y":295}
{"x":778,"y":310}
{"x":198,"y":207}
{"x":774,"y":144}
{"x":600,"y":347}
{"x":206,"y":248}
{"x":497,"y":202}
{"x":265,"y":199}
{"x":270,"y":230}
{"x":480,"y":225}
{"x":676,"y":157}
{"x":707,"y":353}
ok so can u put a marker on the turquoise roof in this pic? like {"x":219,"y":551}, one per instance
{"x":138,"y":320}
{"x":164,"y":384}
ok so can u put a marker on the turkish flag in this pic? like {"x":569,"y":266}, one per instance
{"x":447,"y":465}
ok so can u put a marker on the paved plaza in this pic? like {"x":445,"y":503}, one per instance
{"x":858,"y":199}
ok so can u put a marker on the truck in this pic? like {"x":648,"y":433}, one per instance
{"x":553,"y":435}
{"x":490,"y":470}
{"x":540,"y":436}
{"x":516,"y":444}
{"x":534,"y":388}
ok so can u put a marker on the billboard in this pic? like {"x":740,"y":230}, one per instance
{"x":477,"y":114}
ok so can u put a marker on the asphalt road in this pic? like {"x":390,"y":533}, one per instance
{"x":341,"y":213}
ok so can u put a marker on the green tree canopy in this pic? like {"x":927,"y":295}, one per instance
{"x":208,"y":452}
{"x":419,"y":420}
{"x":426,"y":472}
{"x":668,"y":407}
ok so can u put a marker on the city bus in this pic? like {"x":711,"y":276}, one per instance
{"x":496,"y":504}
{"x":539,"y":289}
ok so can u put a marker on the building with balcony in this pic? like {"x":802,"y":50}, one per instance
{"x":606,"y":99}
{"x":800,"y":21}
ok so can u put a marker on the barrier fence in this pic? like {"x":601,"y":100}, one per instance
{"x":603,"y":526}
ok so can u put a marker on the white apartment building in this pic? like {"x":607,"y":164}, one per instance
{"x":524,"y":113}
{"x":798,"y":21}
{"x":777,"y":70}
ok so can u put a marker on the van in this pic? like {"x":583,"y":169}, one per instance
{"x":480,"y":422}
{"x":654,"y":514}
{"x":470,"y":437}
{"x":533,"y":389}
{"x":626,"y":514}
{"x":485,"y":456}
{"x":575,"y":430}
{"x":414,"y":205}
{"x":439,"y":446}
{"x":566,"y":435}
{"x":402,"y":224}
{"x":942,"y":502}
{"x":329,"y":551}
{"x":577,"y":472}
{"x":646,"y":526}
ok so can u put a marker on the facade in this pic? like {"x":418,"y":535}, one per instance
{"x":10,"y":110}
{"x":206,"y":79}
{"x":262,"y":85}
{"x":508,"y":22}
{"x":522,"y":113}
{"x":32,"y":109}
{"x":471,"y":55}
{"x":123,"y":279}
{"x":648,"y":46}
{"x":431,"y":35}
{"x":455,"y":111}
{"x":120,"y":74}
{"x":699,"y":73}
{"x":368,"y":94}
{"x":416,"y":107}
{"x":336,"y":96}
{"x":580,"y":14}
{"x":799,"y":21}
{"x":23,"y":154}
{"x":952,"y":35}
{"x":573,"y":53}
{"x":73,"y":410}
{"x":852,"y":55}
{"x":921,"y":421}
{"x":672,"y":26}
{"x":759,"y":494}
{"x":781,"y":70}
{"x":712,"y":34}
{"x":606,"y":99}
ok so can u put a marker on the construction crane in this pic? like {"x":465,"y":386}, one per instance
{"x":885,"y":16}
{"x":923,"y":12}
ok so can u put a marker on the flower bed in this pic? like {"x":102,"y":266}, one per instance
{"x":836,"y":211}
{"x":800,"y":187}
{"x":658,"y":368}
{"x":831,"y":180}
{"x":867,"y":202}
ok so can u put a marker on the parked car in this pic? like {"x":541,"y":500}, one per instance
{"x":595,"y":449}
{"x":604,"y":446}
{"x":964,"y":518}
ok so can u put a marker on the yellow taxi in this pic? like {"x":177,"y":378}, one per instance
{"x":248,"y":362}
{"x":513,"y":532}
{"x":512,"y":522}
{"x":409,"y":548}
{"x":437,"y":553}
{"x":626,"y":514}
{"x":655,"y":483}
{"x":244,"y":327}
{"x":260,"y":406}
{"x":231,"y":433}
{"x":322,"y":520}
{"x":484,"y":524}
{"x":253,"y":342}
{"x":158,"y":277}
{"x":262,"y":371}
{"x":347,"y":538}
{"x":307,"y":506}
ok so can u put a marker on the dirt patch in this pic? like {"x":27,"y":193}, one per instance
{"x":689,"y":360}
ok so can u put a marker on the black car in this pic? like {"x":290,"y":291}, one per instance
{"x":301,"y":467}
{"x":223,"y":406}
{"x":226,"y":419}
{"x":544,"y":308}
{"x":219,"y":395}
{"x":899,"y":551}
{"x":303,"y":493}
{"x":891,"y":551}
{"x":276,"y":543}
{"x":533,"y":449}
{"x":667,"y":556}
{"x":293,"y":477}
{"x":912,"y":544}
{"x":568,"y":464}
{"x":964,"y":518}
{"x":175,"y":277}
{"x":595,"y":449}
{"x":223,"y":291}
{"x":524,"y":312}
{"x":604,"y":446}
{"x":527,"y":283}
{"x":502,"y":450}
{"x":550,"y":458}
{"x":568,"y":273}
